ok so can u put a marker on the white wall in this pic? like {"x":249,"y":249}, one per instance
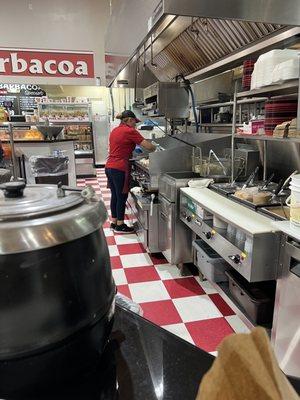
{"x":128,"y":25}
{"x":55,"y":24}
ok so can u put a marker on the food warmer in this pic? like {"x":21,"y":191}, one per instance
{"x":57,"y":292}
{"x":243,"y":238}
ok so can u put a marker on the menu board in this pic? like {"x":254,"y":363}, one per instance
{"x":10,"y":102}
{"x":27,"y":103}
{"x":22,"y":97}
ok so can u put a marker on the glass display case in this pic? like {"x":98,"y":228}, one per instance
{"x":82,"y":135}
{"x":64,"y":112}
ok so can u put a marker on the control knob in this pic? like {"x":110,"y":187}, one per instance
{"x":189,"y":218}
{"x":235,"y":258}
{"x":208,"y":235}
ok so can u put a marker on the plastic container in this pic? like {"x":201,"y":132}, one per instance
{"x":278,"y":111}
{"x":210,"y":264}
{"x":262,"y":74}
{"x":257,"y":299}
{"x":285,"y":71}
{"x":257,"y":126}
{"x":293,"y":201}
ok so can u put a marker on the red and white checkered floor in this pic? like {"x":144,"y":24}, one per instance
{"x":185,"y":306}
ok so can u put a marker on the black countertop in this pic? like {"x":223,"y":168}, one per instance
{"x":141,"y":362}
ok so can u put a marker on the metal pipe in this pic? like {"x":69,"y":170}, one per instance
{"x":265,"y":160}
{"x":152,"y":63}
{"x":112,"y":103}
{"x":13,"y":154}
{"x":233,"y":130}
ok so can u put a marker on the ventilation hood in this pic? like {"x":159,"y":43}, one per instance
{"x":200,"y":38}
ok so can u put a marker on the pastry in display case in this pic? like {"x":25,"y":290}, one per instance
{"x":22,"y":134}
{"x":64,"y":112}
{"x":82,"y":136}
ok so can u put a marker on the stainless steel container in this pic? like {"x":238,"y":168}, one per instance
{"x":57,"y":291}
{"x":285,"y":331}
{"x":174,"y":237}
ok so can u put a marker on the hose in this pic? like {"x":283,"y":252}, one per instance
{"x":190,"y":91}
{"x":194,"y":107}
{"x":112,"y":103}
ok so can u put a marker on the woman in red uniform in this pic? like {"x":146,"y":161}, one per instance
{"x":122,"y":142}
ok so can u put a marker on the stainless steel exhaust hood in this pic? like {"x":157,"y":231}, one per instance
{"x":199,"y":38}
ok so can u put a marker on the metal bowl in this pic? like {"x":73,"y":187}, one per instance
{"x":50,"y":132}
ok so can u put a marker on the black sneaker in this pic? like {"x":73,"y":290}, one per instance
{"x":112,"y":226}
{"x":123,"y":229}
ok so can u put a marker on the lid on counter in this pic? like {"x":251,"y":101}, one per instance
{"x":18,"y":201}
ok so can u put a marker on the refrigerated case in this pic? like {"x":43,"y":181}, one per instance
{"x":101,"y":131}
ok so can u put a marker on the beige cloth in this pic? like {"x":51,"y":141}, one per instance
{"x":246,"y":369}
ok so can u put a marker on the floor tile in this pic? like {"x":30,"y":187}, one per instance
{"x":150,"y":291}
{"x":126,"y":239}
{"x":221,"y":304}
{"x":237,"y":324}
{"x":209,"y":333}
{"x":161,"y":312}
{"x":183,"y":287}
{"x":113,"y":250}
{"x":124,"y":289}
{"x":168,"y":271}
{"x":180,"y":330}
{"x":158,"y":259}
{"x":196,"y":308}
{"x":110,"y":240}
{"x":206,"y":285}
{"x":136,"y":260}
{"x":133,"y":248}
{"x":108,"y":232}
{"x":196,"y":312}
{"x":119,"y":276}
{"x":116,"y":262}
{"x":141,"y":274}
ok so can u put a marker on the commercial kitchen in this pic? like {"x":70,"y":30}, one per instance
{"x":89,"y":313}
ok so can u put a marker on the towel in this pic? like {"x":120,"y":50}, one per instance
{"x":246,"y":369}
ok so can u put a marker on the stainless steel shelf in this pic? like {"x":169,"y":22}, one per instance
{"x":230,"y":103}
{"x":290,"y":87}
{"x":218,"y":125}
{"x":268,"y":138}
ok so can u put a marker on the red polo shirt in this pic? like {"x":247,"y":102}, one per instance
{"x":122,"y":142}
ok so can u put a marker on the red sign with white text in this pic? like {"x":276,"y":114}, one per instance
{"x":48,"y":63}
